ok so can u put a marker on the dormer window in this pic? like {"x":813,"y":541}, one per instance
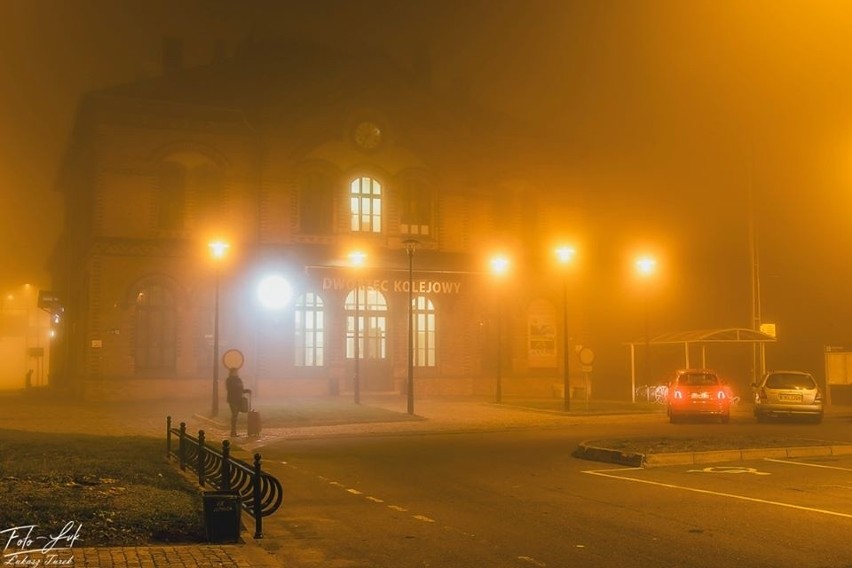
{"x":415,"y":204}
{"x":365,"y":205}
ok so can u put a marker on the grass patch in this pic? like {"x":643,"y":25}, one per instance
{"x":591,"y":407}
{"x":324,"y":412}
{"x":120,"y":490}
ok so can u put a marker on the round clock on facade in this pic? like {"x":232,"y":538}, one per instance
{"x":368,"y":135}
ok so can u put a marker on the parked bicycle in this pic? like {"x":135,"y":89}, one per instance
{"x":653,"y":393}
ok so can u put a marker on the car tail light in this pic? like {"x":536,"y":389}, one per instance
{"x":762,"y":394}
{"x":677,"y":394}
{"x":818,"y":397}
{"x":721,"y":395}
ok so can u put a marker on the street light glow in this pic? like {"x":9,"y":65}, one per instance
{"x":499,"y":265}
{"x":565,"y":254}
{"x":218,"y":249}
{"x":646,"y":265}
{"x":274,"y":292}
{"x":357,"y":258}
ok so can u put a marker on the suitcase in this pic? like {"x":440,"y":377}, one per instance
{"x":253,"y":420}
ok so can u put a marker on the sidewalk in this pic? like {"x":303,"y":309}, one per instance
{"x":248,"y":555}
{"x":436,"y":416}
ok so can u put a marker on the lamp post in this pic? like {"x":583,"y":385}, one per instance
{"x":410,"y":247}
{"x":565,"y":255}
{"x":646,"y":266}
{"x":357,"y":260}
{"x":218,"y":249}
{"x":499,"y":266}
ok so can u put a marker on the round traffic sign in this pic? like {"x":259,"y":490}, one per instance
{"x":233,"y":359}
{"x":586,"y":355}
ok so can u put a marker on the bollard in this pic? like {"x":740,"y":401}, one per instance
{"x":201,"y":450}
{"x":226,"y":465}
{"x":168,"y":437}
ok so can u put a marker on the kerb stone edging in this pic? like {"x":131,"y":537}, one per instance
{"x":633,"y":459}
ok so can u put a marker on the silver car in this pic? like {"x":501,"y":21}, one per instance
{"x":787,"y":393}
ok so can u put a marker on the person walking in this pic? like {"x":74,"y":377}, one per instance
{"x":236,"y":389}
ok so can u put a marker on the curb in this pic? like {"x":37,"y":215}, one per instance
{"x":594,"y":453}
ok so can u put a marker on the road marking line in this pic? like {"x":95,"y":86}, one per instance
{"x":808,"y":464}
{"x":398,"y":508}
{"x":532,"y":561}
{"x":423,"y":518}
{"x":728,"y":470}
{"x":353,"y":491}
{"x":602,"y":473}
{"x":375,"y":499}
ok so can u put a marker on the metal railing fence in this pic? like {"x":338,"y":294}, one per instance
{"x":260,"y":493}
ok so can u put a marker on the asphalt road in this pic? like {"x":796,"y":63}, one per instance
{"x":518,"y":499}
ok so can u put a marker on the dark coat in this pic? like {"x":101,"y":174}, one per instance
{"x":234,"y":385}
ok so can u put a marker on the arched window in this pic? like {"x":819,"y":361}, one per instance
{"x":156,"y":329}
{"x":310,"y":331}
{"x":365,"y":205}
{"x":316,"y":203}
{"x":207,"y":183}
{"x":424,"y":332}
{"x":366,"y":318}
{"x":171,"y":202}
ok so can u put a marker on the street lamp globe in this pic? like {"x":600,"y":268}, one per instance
{"x":646,"y":265}
{"x":274,"y":292}
{"x":565,"y":254}
{"x":218,"y":249}
{"x":499,"y":265}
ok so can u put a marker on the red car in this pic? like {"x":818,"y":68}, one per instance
{"x":698,"y":392}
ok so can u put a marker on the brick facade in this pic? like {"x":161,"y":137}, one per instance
{"x":263,"y":151}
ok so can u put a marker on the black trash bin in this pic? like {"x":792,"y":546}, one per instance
{"x":222,"y":516}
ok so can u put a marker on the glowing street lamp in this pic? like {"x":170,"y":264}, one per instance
{"x":499,"y":267}
{"x":356,"y":259}
{"x":274,"y":292}
{"x":218,"y":250}
{"x":565,"y":255}
{"x":646,"y":268}
{"x":410,"y":247}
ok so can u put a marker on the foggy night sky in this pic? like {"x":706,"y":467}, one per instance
{"x":667,"y":109}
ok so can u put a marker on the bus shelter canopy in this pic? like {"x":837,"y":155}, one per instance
{"x":701,"y":337}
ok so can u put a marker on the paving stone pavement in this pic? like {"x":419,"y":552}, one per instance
{"x":189,"y":556}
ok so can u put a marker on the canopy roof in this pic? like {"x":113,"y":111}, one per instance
{"x":701,"y":337}
{"x":727,"y":335}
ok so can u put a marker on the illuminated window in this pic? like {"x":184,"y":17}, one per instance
{"x":310,"y":331}
{"x":372,"y":331}
{"x":365,"y":205}
{"x":424,"y":332}
{"x":415,"y":215}
{"x":155,"y":329}
{"x":316,"y":203}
